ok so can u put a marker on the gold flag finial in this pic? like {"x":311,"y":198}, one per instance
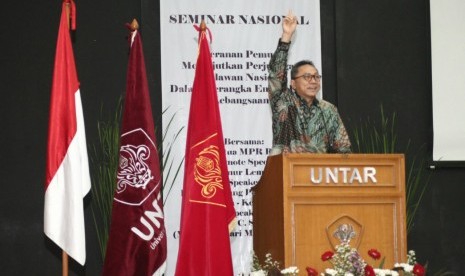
{"x":134,"y":25}
{"x":203,"y":26}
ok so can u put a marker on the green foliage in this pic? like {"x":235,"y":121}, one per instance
{"x":104,"y":160}
{"x":416,"y":183}
{"x":373,"y":137}
{"x":381,"y":137}
{"x":255,"y":262}
{"x":269,"y":267}
{"x":169,"y":168}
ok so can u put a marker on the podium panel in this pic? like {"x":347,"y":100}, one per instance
{"x":303,"y":199}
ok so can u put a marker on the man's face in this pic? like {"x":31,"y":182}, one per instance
{"x":305,"y":85}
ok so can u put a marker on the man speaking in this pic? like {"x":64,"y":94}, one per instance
{"x":301,"y":122}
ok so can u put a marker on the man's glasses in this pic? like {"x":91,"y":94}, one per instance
{"x":309,"y":77}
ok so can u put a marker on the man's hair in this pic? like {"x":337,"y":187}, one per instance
{"x":296,"y":67}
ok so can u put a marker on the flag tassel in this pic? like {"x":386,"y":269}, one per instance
{"x":70,"y":10}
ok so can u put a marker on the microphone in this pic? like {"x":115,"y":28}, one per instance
{"x":330,"y":139}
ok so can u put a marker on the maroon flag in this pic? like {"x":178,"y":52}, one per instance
{"x":207,"y":213}
{"x":137,"y":241}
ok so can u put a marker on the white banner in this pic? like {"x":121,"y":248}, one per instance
{"x":448,"y":84}
{"x":245,"y":34}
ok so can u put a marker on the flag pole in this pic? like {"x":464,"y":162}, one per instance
{"x":64,"y":256}
{"x":64,"y":263}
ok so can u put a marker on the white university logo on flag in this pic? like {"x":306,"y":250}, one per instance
{"x":135,"y":179}
{"x":133,"y":170}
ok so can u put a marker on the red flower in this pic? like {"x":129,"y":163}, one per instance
{"x":311,"y":271}
{"x":374,"y":254}
{"x":418,"y":270}
{"x":327,"y":255}
{"x":369,"y":271}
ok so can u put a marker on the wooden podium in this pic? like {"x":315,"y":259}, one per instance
{"x":301,"y":200}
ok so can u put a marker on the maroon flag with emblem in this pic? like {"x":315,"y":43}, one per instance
{"x":137,"y":241}
{"x":207,"y":214}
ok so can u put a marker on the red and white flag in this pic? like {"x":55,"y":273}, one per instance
{"x":207,"y":214}
{"x":137,"y":241}
{"x":67,"y":168}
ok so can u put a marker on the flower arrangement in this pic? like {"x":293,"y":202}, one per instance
{"x":346,"y":261}
{"x":271,"y":267}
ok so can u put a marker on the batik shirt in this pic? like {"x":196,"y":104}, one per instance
{"x":298,"y":127}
